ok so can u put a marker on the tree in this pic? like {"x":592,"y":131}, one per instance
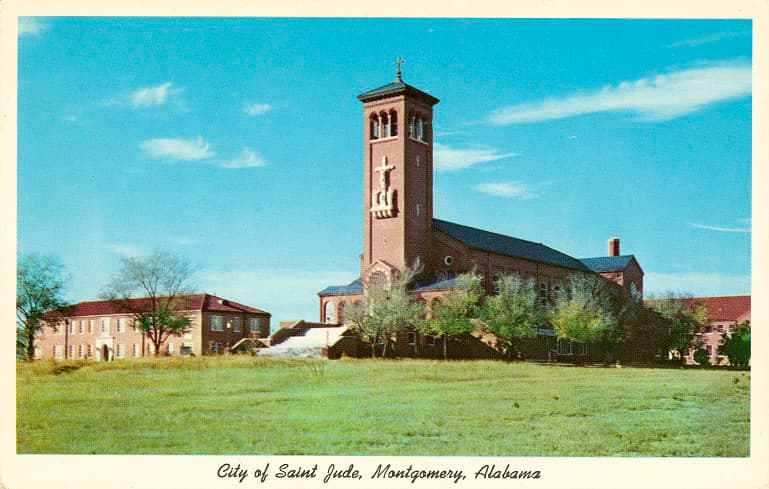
{"x":513,"y":313}
{"x":736,"y":345}
{"x":586,"y":312}
{"x":685,"y":319}
{"x":163,"y":280}
{"x":453,"y":315}
{"x":642,"y":331}
{"x":386,"y":308}
{"x":40,"y":283}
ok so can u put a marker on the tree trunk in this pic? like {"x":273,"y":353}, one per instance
{"x":445,"y":348}
{"x":30,"y":348}
{"x":384,"y":348}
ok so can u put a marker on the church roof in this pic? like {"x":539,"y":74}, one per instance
{"x":354,"y":287}
{"x":397,"y":88}
{"x":507,"y":245}
{"x":607,"y":263}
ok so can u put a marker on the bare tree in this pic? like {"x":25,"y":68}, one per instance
{"x":153,"y":289}
{"x":387,"y":308}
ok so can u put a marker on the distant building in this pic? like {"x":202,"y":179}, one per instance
{"x":725,"y":312}
{"x":399,"y":228}
{"x":105,"y":330}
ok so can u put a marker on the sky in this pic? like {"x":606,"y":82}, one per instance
{"x":237,"y":142}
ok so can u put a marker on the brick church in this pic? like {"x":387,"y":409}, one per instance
{"x":399,"y":228}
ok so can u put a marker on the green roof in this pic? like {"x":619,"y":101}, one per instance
{"x":397,"y":88}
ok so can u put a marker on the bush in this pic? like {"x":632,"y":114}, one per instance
{"x":701,"y":356}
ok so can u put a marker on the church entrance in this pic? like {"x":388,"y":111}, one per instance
{"x":105,"y":353}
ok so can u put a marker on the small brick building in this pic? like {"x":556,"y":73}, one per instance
{"x":399,"y":228}
{"x":104,"y":330}
{"x":725,"y":312}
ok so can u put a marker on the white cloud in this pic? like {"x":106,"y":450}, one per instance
{"x":720,"y":228}
{"x":449,"y":159}
{"x":247,"y":159}
{"x":507,"y":190}
{"x":660,"y":97}
{"x":699,"y":41}
{"x":29,"y":26}
{"x":698,"y":284}
{"x":257,"y":109}
{"x":177,"y":149}
{"x":286,"y":294}
{"x":151,"y":96}
{"x":123,"y":249}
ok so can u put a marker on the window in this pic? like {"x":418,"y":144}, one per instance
{"x":136,"y":350}
{"x":186,"y":349}
{"x":121,"y":351}
{"x":432,"y":341}
{"x":170,"y":348}
{"x":543,"y":291}
{"x":374,"y":123}
{"x":91,"y":325}
{"x":709,"y":348}
{"x":151,"y":349}
{"x":412,"y":126}
{"x":217,"y":323}
{"x":82,"y":327}
{"x":328,"y":314}
{"x":708,"y":329}
{"x":104,"y":326}
{"x":418,"y":161}
{"x":71,"y":351}
{"x":393,"y":123}
{"x":420,"y":129}
{"x":38,"y":352}
{"x":90,"y":351}
{"x":418,"y":210}
{"x":215,"y":348}
{"x":121,"y":325}
{"x":72,"y":327}
{"x":720,"y":328}
{"x":80,"y":351}
{"x":412,"y":338}
{"x":254,"y":325}
{"x":497,"y":280}
{"x":236,"y":325}
{"x":633,"y":289}
{"x":385,"y":125}
{"x":58,"y":351}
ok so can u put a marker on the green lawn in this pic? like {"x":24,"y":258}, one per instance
{"x":249,"y":405}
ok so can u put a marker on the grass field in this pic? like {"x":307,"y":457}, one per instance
{"x":248,"y":405}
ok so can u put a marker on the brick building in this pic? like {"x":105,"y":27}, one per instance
{"x":104,"y":330}
{"x":399,"y":228}
{"x":725,"y":312}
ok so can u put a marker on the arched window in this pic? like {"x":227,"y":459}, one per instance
{"x":374,"y":126}
{"x":420,"y":129}
{"x":328,"y":312}
{"x":412,"y":126}
{"x":385,"y":125}
{"x":393,"y":123}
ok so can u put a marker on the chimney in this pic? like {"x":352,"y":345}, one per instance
{"x":614,"y":247}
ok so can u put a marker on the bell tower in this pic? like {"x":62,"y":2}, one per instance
{"x":397,"y":176}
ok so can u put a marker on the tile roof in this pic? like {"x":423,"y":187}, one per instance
{"x":192,"y":302}
{"x":397,"y":88}
{"x":354,"y":287}
{"x":724,"y":308}
{"x":507,"y":245}
{"x":607,"y":263}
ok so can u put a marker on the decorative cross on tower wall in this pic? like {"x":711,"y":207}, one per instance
{"x":383,"y":199}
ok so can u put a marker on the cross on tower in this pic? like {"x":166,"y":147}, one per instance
{"x":399,"y":62}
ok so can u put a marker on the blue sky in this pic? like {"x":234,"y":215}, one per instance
{"x":238,"y":142}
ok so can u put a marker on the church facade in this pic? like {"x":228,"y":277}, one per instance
{"x":399,"y":229}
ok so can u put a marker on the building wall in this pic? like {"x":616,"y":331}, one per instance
{"x":130,"y":343}
{"x":213,"y":341}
